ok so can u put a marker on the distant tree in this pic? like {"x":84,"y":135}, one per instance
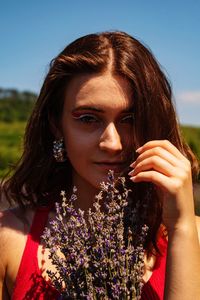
{"x":15,"y":105}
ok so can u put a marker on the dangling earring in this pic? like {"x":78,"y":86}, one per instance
{"x":59,"y":152}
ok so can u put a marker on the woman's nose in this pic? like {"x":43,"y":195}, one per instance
{"x":110,"y":139}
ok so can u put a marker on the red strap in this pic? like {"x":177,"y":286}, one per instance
{"x":154,"y":288}
{"x":29,"y":262}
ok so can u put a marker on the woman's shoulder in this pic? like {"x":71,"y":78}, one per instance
{"x":14,"y":222}
{"x":14,"y":227}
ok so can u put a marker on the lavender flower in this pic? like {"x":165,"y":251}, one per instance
{"x":95,"y":257}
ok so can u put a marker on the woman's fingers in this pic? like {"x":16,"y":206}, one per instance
{"x":163,"y":144}
{"x":152,"y":176}
{"x":153,"y":163}
{"x":157,"y":151}
{"x":168,"y":184}
{"x":161,"y":163}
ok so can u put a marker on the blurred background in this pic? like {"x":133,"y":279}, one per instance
{"x":33,"y":32}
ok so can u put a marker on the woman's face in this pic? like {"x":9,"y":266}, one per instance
{"x":97,"y":125}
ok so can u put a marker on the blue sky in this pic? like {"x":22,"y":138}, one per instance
{"x":33,"y":32}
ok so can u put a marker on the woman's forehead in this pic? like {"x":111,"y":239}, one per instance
{"x":100,"y":90}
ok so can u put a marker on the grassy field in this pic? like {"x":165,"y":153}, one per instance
{"x":11,"y":136}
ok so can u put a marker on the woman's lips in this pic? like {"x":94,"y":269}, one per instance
{"x":116,"y":167}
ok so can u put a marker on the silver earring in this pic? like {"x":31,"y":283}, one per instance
{"x":59,"y":152}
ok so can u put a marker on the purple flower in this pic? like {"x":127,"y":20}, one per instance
{"x":94,"y":256}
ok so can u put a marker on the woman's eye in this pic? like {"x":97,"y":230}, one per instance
{"x":87,"y":119}
{"x":127,"y":119}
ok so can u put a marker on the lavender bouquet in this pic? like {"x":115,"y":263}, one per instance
{"x":95,"y":256}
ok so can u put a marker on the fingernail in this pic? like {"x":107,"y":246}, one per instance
{"x":138,"y":150}
{"x":131,"y":173}
{"x":133,"y":178}
{"x":133,"y":164}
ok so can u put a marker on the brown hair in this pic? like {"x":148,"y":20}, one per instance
{"x":38,"y":176}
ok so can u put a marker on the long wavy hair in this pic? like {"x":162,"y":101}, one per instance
{"x":38,"y":178}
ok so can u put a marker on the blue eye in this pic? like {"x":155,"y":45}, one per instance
{"x":128,"y":119}
{"x":87,"y":119}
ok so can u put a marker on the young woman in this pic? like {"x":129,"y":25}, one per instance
{"x":105,"y":104}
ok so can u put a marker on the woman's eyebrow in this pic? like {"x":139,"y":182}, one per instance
{"x":97,"y":109}
{"x":86,"y":107}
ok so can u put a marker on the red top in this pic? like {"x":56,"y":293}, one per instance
{"x":31,"y":285}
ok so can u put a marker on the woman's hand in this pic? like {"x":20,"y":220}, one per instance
{"x":161,"y":163}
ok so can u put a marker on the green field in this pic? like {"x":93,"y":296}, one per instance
{"x":11,"y":138}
